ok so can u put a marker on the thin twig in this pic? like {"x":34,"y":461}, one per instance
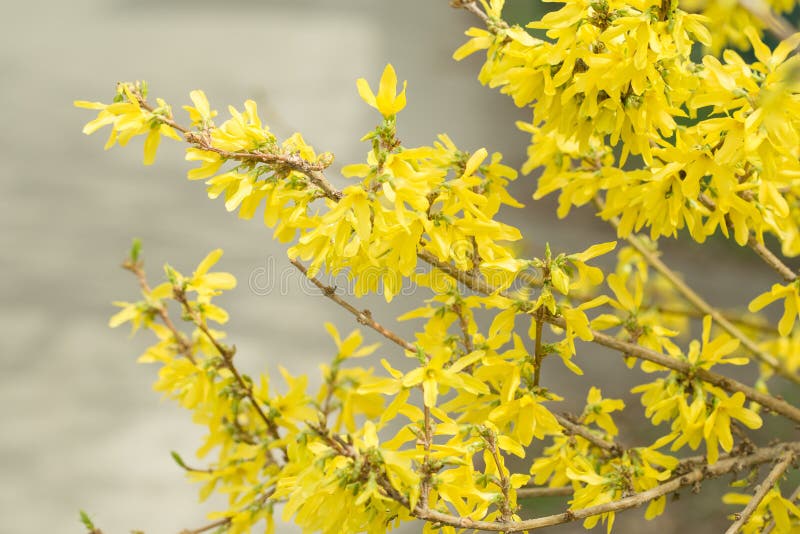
{"x":730,"y":315}
{"x":760,"y":249}
{"x":462,"y":322}
{"x":719,"y":468}
{"x":767,"y":401}
{"x":227,"y":354}
{"x":210,"y":526}
{"x":227,"y":520}
{"x":698,"y":302}
{"x":503,"y":482}
{"x":762,"y":491}
{"x":184,"y":346}
{"x":571,"y":427}
{"x":293,"y":161}
{"x":538,"y":353}
{"x":631,"y":349}
{"x":472,"y":7}
{"x":771,"y":259}
{"x":532,"y":492}
{"x":362,"y":316}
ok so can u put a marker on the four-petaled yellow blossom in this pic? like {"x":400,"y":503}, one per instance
{"x":598,"y":409}
{"x":717,"y":428}
{"x":387,"y":101}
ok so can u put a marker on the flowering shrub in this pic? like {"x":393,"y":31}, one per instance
{"x":624,"y":115}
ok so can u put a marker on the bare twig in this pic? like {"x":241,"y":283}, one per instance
{"x":210,"y":526}
{"x":762,"y":491}
{"x":462,"y":323}
{"x":533,"y":492}
{"x":771,"y":259}
{"x":472,"y":7}
{"x":571,"y":427}
{"x":227,"y":520}
{"x":362,"y":316}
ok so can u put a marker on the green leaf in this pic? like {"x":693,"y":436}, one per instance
{"x":87,"y":521}
{"x":136,"y":249}
{"x":178,"y":459}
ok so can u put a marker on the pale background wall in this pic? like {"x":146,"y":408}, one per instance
{"x":80,"y":426}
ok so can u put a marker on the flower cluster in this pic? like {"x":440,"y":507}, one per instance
{"x":623,"y":115}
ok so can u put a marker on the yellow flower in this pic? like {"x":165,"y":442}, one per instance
{"x":597,"y":410}
{"x":207,"y":284}
{"x":791,"y":304}
{"x":387,"y":101}
{"x":433,"y":374}
{"x":773,"y":504}
{"x":347,"y":348}
{"x":201,"y":113}
{"x":717,"y":428}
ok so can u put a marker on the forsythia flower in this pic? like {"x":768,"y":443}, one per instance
{"x":387,"y":101}
{"x":791,"y":297}
{"x":773,"y":507}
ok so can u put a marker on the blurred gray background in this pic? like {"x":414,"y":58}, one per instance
{"x":81,"y":428}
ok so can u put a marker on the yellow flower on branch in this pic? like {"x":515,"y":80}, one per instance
{"x":789,"y":293}
{"x":201,"y":113}
{"x":387,"y":101}
{"x":717,"y":428}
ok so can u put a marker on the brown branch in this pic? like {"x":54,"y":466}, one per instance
{"x":227,"y":354}
{"x":533,"y":492}
{"x":760,"y":249}
{"x":184,"y":346}
{"x":731,"y":316}
{"x":697,"y":314}
{"x":293,"y":161}
{"x":472,"y":7}
{"x":506,"y":513}
{"x":538,"y":353}
{"x":632,"y":349}
{"x":698,"y":302}
{"x":227,"y":520}
{"x":762,"y":491}
{"x":362,"y":316}
{"x":210,"y":526}
{"x":462,"y":323}
{"x":772,"y":260}
{"x":722,"y":467}
{"x":767,"y":401}
{"x":570,"y":427}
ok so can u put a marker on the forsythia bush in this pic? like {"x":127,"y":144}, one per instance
{"x":624,"y":112}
